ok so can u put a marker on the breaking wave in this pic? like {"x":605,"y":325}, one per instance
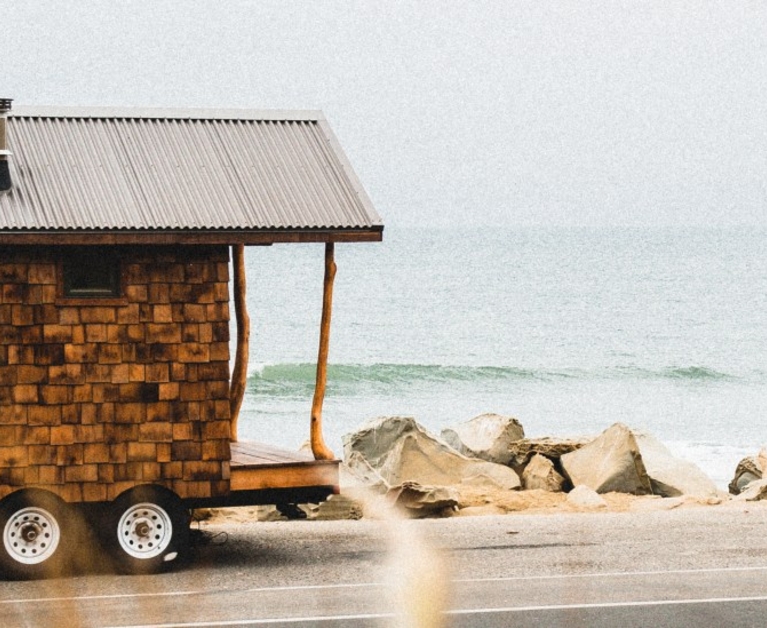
{"x":348,"y":379}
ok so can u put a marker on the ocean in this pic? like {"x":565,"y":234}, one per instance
{"x":567,"y":329}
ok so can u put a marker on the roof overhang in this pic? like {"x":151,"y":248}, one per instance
{"x":186,"y":237}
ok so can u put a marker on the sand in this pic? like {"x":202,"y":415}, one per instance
{"x":473,"y":501}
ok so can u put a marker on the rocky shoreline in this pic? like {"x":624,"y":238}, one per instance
{"x":487,"y":466}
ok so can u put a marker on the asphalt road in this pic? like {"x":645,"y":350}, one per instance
{"x":685,"y":567}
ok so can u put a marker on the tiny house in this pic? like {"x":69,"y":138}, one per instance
{"x":122,"y":235}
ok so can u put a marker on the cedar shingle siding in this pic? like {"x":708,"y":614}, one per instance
{"x":99,"y":396}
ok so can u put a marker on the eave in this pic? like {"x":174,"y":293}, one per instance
{"x":77,"y":237}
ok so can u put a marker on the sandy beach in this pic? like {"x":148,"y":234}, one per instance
{"x":361,"y":503}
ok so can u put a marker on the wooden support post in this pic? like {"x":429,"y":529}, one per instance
{"x":240,"y":370}
{"x":319,"y":449}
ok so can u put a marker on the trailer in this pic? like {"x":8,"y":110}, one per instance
{"x":122,"y":239}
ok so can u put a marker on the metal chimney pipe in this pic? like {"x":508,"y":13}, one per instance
{"x":5,"y":172}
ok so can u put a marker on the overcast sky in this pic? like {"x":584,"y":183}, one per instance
{"x":545,"y":113}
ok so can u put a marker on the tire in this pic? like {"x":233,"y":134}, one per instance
{"x":37,"y":535}
{"x":148,"y":530}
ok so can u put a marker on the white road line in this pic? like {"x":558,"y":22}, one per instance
{"x":361,"y":585}
{"x":262,"y":622}
{"x":117,"y":596}
{"x":472,"y":611}
{"x":613,"y":574}
{"x":558,"y":607}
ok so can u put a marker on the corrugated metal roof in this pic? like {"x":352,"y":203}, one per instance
{"x":156,"y":170}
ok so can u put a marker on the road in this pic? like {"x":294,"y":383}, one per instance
{"x":684,"y":567}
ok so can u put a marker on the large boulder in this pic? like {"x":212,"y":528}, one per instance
{"x":755,"y":491}
{"x":610,"y":463}
{"x":761,"y":460}
{"x":487,"y":436}
{"x":748,"y":470}
{"x":523,"y":450}
{"x":670,"y":476}
{"x":356,"y":471}
{"x":541,"y":474}
{"x":399,"y":450}
{"x":424,"y":501}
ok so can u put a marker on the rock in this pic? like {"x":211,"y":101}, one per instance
{"x":424,"y":501}
{"x":670,"y":476}
{"x":355,"y":471}
{"x":754,"y":492}
{"x":541,"y":474}
{"x":761,"y":460}
{"x":747,"y":471}
{"x":521,"y":451}
{"x":584,"y":497}
{"x":487,"y":436}
{"x":399,"y":450}
{"x":374,"y":440}
{"x":611,"y":462}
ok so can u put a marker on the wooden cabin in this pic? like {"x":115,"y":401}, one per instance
{"x":121,"y":239}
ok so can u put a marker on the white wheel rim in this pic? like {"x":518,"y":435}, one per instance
{"x":144,"y":531}
{"x":31,"y":535}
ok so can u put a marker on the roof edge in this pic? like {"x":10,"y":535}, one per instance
{"x":188,"y":237}
{"x":161,"y":113}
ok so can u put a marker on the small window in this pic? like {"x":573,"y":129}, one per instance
{"x":91,"y":274}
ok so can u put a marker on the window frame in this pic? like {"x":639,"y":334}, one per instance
{"x":89,"y":254}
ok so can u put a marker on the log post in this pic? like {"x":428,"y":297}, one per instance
{"x":240,"y":370}
{"x":319,"y":449}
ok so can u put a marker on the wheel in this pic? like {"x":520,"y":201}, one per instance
{"x":36,"y":528}
{"x":149,"y":530}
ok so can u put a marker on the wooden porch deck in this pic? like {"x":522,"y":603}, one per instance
{"x":256,"y":466}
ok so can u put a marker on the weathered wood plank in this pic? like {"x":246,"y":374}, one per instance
{"x":252,"y":453}
{"x":167,"y":237}
{"x":317,"y":473}
{"x":257,"y":466}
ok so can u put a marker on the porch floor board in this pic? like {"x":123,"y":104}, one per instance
{"x":260,"y":466}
